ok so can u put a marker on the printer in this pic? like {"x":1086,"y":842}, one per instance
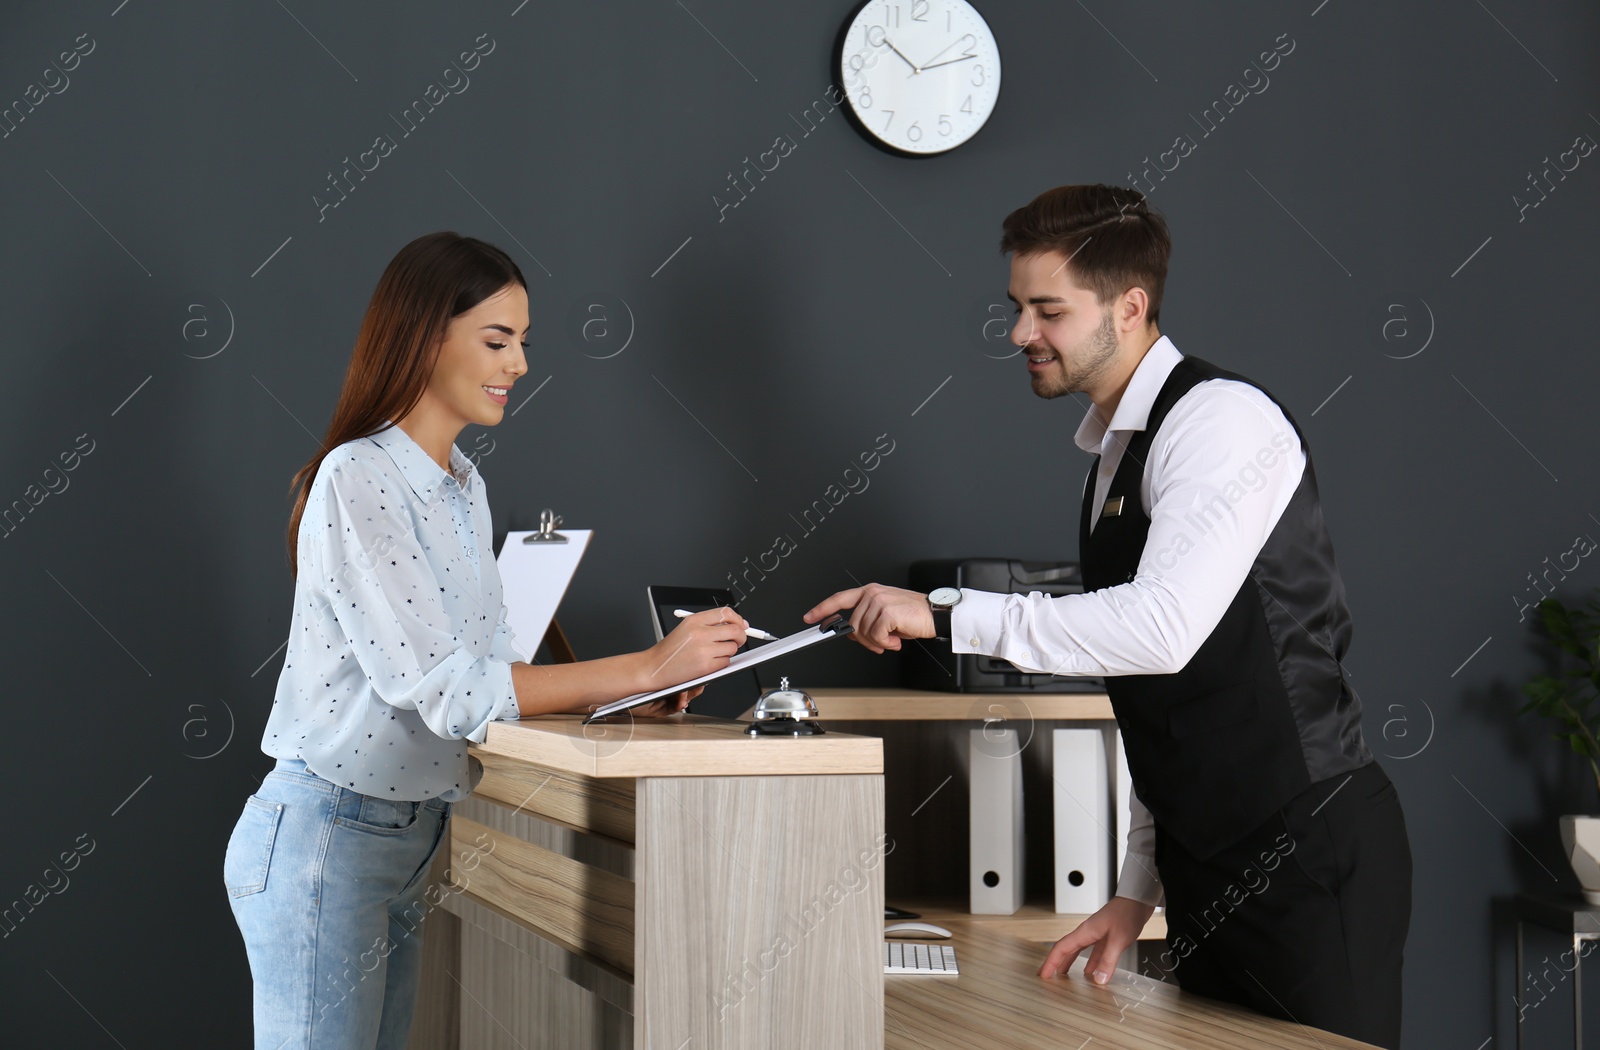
{"x":932,"y":665}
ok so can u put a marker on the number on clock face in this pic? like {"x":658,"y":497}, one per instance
{"x":921,"y":76}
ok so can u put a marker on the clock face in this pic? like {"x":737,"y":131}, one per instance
{"x":919,"y":76}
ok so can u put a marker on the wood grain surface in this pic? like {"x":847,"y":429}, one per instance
{"x":886,"y":704}
{"x":575,"y":903}
{"x":1000,"y":1001}
{"x":676,"y":746}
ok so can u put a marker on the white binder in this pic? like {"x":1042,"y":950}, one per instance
{"x":1085,"y":832}
{"x":995,"y":859}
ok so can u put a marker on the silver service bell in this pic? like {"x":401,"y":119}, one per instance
{"x":785,"y":712}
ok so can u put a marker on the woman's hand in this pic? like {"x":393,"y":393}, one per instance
{"x":700,"y":644}
{"x":668,"y":705}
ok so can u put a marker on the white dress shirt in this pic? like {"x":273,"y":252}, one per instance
{"x":398,"y":651}
{"x":1222,"y":438}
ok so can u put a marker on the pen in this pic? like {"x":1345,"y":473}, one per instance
{"x":749,"y":632}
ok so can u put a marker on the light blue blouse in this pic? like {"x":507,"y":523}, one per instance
{"x":398,"y":651}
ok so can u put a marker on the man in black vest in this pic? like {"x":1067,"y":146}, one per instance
{"x":1215,"y":611}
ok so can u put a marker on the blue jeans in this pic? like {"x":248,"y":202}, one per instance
{"x":328,"y":886}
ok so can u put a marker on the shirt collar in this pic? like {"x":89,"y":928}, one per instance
{"x":417,"y":467}
{"x":1133,"y":410}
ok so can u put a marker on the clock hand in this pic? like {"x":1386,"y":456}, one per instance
{"x":903,"y":58}
{"x":953,"y":43}
{"x":948,"y":61}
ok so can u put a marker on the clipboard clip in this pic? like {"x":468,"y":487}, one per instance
{"x":548,"y":520}
{"x":840,"y":624}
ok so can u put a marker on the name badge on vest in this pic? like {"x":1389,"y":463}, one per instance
{"x":1112,"y":508}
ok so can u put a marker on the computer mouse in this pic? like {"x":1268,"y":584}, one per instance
{"x":912,"y":929}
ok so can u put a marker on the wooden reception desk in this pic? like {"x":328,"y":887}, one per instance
{"x":675,"y":885}
{"x":666,"y":883}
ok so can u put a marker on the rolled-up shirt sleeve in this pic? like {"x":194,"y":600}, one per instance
{"x":386,"y":601}
{"x":1220,"y":474}
{"x":502,"y":647}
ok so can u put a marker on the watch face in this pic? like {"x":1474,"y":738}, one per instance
{"x":919,"y":76}
{"x":945,"y":596}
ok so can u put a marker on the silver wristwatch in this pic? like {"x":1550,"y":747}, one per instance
{"x":941,"y":600}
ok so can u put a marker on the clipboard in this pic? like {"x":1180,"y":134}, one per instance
{"x":834,"y":628}
{"x":535,"y":568}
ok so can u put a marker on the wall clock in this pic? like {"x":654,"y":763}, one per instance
{"x":919,"y":77}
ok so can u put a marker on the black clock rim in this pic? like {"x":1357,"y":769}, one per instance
{"x":854,"y":118}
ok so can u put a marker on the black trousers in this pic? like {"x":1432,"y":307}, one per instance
{"x":1305,"y":918}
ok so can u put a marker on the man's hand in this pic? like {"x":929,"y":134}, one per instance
{"x":883,"y":615}
{"x":1110,"y":930}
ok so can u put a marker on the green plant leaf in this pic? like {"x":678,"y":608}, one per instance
{"x":1558,"y":620}
{"x":1571,"y":697}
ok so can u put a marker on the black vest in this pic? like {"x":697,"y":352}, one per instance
{"x":1262,"y":710}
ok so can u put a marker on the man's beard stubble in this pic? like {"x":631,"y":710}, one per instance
{"x":1092,"y":358}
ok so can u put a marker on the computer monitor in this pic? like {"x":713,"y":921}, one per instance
{"x":664,"y":600}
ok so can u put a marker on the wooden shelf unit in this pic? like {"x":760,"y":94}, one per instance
{"x":924,"y":735}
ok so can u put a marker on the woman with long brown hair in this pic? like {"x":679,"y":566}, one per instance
{"x":399,"y":654}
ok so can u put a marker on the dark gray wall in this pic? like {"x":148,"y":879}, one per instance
{"x":173,"y":180}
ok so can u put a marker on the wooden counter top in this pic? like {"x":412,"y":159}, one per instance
{"x":1036,"y":920}
{"x":1000,"y":1001}
{"x":676,"y":746}
{"x":879,"y":704}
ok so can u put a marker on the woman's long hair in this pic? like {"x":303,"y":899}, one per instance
{"x":431,"y":280}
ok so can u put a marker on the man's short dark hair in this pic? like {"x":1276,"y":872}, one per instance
{"x":1112,"y":237}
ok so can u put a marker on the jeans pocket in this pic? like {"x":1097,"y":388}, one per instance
{"x":249,"y":855}
{"x":441,"y":841}
{"x":382,"y":816}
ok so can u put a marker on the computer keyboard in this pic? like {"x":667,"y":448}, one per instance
{"x":899,"y":957}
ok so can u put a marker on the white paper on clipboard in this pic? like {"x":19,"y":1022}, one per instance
{"x":749,"y":658}
{"x":535,"y":577}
